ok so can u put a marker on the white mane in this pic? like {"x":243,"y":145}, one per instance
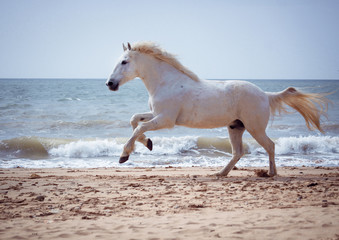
{"x":159,"y":53}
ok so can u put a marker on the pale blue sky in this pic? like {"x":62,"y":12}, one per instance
{"x":238,"y":39}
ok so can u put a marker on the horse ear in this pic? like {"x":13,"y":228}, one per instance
{"x":124,"y":47}
{"x":129,"y":46}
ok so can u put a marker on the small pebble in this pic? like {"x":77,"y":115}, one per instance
{"x":40,"y":198}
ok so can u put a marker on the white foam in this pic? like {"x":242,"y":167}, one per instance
{"x":88,"y":149}
{"x":182,"y":152}
{"x":169,"y":145}
{"x":114,"y":147}
{"x":307,"y":145}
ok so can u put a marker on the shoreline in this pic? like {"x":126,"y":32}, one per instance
{"x":169,"y":203}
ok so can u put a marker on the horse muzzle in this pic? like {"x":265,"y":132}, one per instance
{"x":113,"y":85}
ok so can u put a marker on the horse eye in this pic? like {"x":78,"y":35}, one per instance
{"x":124,"y":62}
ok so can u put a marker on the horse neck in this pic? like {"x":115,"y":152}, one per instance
{"x":156,"y":74}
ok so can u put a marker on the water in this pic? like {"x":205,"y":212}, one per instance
{"x":80,"y":123}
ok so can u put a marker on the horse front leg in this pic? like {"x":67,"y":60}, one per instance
{"x":142,"y":117}
{"x":158,"y":122}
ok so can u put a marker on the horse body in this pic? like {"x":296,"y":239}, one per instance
{"x":212,"y":104}
{"x":178,"y":97}
{"x":198,"y":104}
{"x":196,"y":110}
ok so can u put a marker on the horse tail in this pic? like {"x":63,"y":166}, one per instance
{"x":310,"y":105}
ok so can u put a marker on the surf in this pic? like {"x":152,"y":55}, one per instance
{"x":62,"y":149}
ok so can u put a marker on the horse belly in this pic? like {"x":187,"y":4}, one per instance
{"x":204,"y":123}
{"x":204,"y":115}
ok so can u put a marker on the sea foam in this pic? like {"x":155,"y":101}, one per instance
{"x":167,"y":151}
{"x":307,"y":145}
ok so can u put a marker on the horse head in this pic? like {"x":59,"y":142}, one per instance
{"x":124,"y":71}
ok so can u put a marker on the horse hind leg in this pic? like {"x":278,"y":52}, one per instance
{"x":269,"y":146}
{"x":235,"y":130}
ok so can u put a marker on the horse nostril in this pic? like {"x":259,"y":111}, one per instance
{"x":112,"y":85}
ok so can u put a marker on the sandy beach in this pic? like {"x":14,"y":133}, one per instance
{"x":169,"y":203}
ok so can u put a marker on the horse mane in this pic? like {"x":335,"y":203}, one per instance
{"x":154,"y":50}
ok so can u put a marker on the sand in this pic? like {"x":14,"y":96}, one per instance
{"x":168,"y":203}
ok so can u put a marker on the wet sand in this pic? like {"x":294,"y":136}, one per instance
{"x":169,"y":203}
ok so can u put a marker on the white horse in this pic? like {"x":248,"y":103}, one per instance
{"x":178,"y":97}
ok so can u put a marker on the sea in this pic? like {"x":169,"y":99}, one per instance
{"x":79,"y":123}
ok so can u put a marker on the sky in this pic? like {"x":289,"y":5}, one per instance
{"x":216,"y":39}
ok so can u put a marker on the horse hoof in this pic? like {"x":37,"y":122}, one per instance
{"x":218,"y":175}
{"x":149,"y":144}
{"x":123,"y":159}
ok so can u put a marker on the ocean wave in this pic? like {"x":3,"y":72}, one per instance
{"x":307,"y":145}
{"x":114,"y":147}
{"x":44,"y":148}
{"x":69,"y":99}
{"x":11,"y":106}
{"x":88,"y":149}
{"x":29,"y":147}
{"x":90,"y":124}
{"x":328,"y":127}
{"x":331,"y":127}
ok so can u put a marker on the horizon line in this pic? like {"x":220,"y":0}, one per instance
{"x":97,"y":78}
